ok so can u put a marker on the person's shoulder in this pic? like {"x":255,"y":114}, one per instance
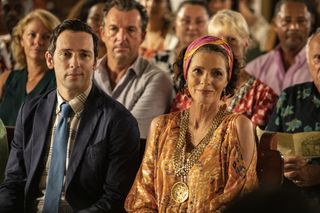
{"x":32,"y":103}
{"x":162,"y":120}
{"x":168,"y":116}
{"x":294,"y":89}
{"x":242,"y":121}
{"x":259,"y":85}
{"x":106,"y":102}
{"x":263,"y":58}
{"x":234,"y":117}
{"x":151,"y":73}
{"x":148,"y":68}
{"x":235,"y":120}
{"x":18,"y":72}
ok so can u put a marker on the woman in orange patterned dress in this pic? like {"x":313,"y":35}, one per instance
{"x":198,"y":160}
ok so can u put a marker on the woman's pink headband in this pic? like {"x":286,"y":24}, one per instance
{"x":200,"y":42}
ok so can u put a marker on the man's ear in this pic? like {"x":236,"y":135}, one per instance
{"x":49,"y":60}
{"x":102,"y":33}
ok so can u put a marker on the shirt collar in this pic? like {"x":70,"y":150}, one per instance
{"x":300,"y":57}
{"x":77,"y":103}
{"x":137,"y":67}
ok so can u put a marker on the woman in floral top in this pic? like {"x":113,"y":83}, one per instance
{"x":252,"y":98}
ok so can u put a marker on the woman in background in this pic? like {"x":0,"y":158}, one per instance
{"x":191,"y":22}
{"x":91,"y":12}
{"x":30,"y":41}
{"x":159,"y":25}
{"x":94,"y":20}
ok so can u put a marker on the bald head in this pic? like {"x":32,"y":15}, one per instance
{"x":313,"y":57}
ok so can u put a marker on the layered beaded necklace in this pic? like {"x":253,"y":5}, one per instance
{"x":182,"y":161}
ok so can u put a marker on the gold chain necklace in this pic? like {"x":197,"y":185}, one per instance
{"x":182,"y":161}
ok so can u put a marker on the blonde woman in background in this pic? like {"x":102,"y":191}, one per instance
{"x":30,"y":41}
{"x":252,"y":98}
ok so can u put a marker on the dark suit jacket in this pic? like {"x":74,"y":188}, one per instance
{"x":102,"y":166}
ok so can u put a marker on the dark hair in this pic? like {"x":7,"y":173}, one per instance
{"x":234,"y":5}
{"x":203,"y":4}
{"x":127,"y":5}
{"x":84,"y":12}
{"x":310,"y":7}
{"x":282,"y":2}
{"x":74,"y":25}
{"x":180,"y":82}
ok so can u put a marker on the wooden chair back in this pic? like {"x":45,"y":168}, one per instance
{"x":270,"y":165}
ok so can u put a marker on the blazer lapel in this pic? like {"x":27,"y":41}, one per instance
{"x":42,"y":121}
{"x":88,"y":123}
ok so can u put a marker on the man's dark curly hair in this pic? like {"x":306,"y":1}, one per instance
{"x":180,"y":82}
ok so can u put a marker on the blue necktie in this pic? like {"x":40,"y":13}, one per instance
{"x":58,"y":162}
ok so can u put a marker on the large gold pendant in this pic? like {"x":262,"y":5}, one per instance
{"x":180,"y":192}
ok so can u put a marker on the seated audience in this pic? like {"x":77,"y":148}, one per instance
{"x":298,"y":110}
{"x":30,"y":40}
{"x":200,"y":159}
{"x":91,"y":12}
{"x":191,"y":22}
{"x":12,"y":11}
{"x":75,"y":149}
{"x":252,"y":98}
{"x":94,"y":20}
{"x":286,"y":65}
{"x":259,"y":27}
{"x":158,"y":35}
{"x":140,"y":86}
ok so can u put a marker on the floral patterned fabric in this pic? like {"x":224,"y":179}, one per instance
{"x":256,"y":104}
{"x":218,"y":177}
{"x":297,"y":110}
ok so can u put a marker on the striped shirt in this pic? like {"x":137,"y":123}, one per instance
{"x":77,"y":105}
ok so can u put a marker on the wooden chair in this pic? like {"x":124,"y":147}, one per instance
{"x":270,"y":165}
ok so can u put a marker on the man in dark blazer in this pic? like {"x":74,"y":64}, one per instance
{"x":103,"y":144}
